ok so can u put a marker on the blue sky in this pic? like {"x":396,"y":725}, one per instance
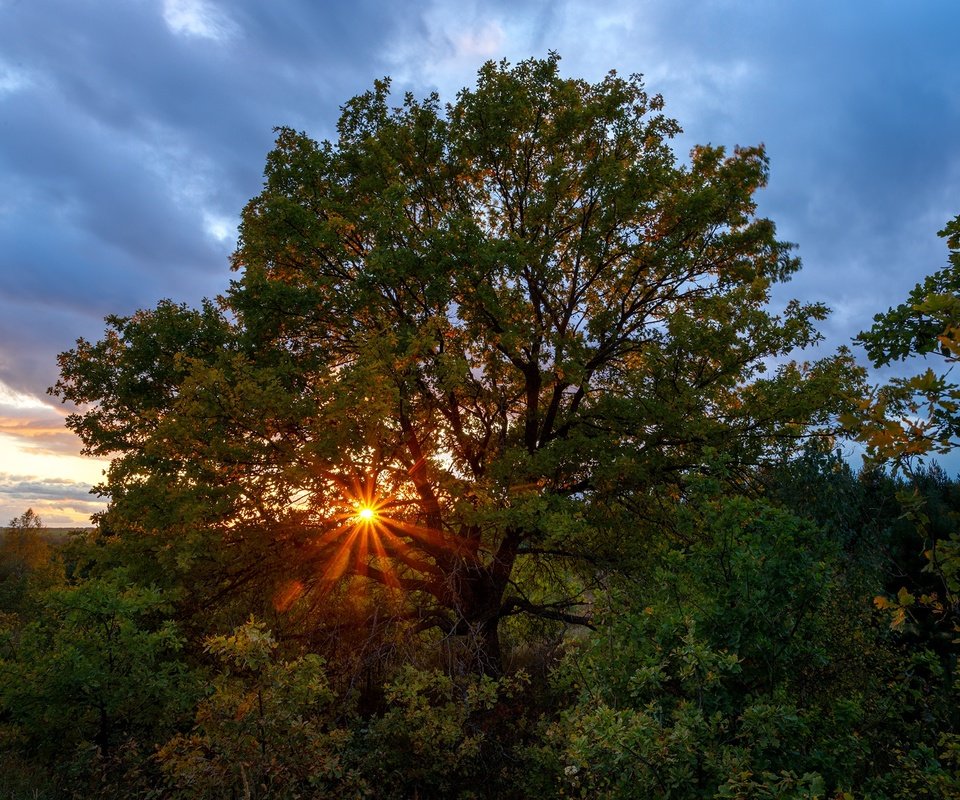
{"x":132,"y":132}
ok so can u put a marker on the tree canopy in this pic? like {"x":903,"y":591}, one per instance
{"x":466,"y":343}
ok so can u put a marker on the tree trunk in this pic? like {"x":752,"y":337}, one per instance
{"x":479,"y":597}
{"x":479,"y":600}
{"x":489,"y":657}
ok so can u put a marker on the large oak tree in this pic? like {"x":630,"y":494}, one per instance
{"x":472,"y":353}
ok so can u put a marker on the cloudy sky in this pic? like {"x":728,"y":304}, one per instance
{"x":132,"y":132}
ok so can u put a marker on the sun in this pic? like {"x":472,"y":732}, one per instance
{"x":366,"y":514}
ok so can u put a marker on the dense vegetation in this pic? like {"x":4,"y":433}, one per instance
{"x":492,"y":475}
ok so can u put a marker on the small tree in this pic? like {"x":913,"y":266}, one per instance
{"x":749,"y":665}
{"x":27,"y":562}
{"x":472,"y":348}
{"x":23,"y":548}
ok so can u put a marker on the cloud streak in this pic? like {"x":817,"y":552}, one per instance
{"x":56,"y":501}
{"x":30,"y":486}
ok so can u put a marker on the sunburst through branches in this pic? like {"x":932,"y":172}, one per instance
{"x":367,"y":538}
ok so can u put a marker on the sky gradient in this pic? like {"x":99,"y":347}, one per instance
{"x":132,"y":132}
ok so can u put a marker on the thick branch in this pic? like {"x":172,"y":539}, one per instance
{"x":554,"y":611}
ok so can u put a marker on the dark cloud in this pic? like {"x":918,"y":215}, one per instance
{"x":858,"y":105}
{"x":20,"y":487}
{"x":57,"y":502}
{"x":131,"y":148}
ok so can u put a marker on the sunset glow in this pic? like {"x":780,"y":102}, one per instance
{"x":40,"y":464}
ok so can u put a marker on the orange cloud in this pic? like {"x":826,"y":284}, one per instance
{"x":45,"y":434}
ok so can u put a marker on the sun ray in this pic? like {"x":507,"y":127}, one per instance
{"x":369,"y":533}
{"x":287,"y":595}
{"x":363,"y":544}
{"x":339,"y":563}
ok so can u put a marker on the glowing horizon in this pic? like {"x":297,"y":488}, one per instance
{"x":43,"y":469}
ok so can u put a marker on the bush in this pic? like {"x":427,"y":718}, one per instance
{"x":744,"y":668}
{"x":270,"y":728}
